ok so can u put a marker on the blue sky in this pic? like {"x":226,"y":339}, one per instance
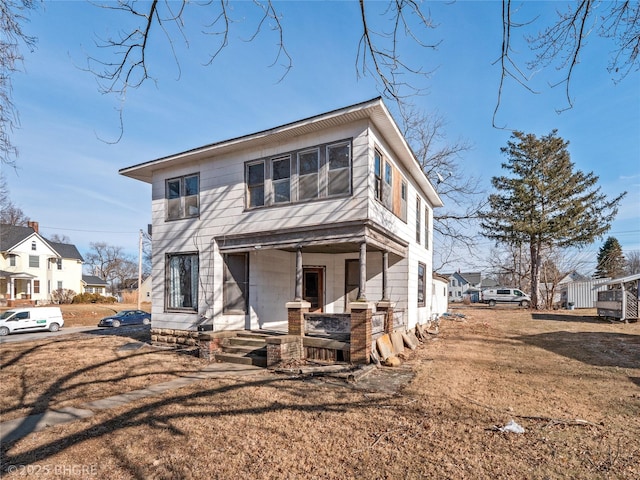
{"x":67,"y":177}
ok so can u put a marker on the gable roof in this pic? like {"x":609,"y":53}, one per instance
{"x":12,"y":235}
{"x":373,"y":110}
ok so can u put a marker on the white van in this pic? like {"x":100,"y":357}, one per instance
{"x":30,"y":319}
{"x":505,"y":295}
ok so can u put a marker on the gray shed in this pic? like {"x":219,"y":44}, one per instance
{"x":621,"y":299}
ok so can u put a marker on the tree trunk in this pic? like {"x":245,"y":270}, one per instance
{"x":535,"y":271}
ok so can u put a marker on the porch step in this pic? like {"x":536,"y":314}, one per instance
{"x":245,"y":342}
{"x":256,"y":360}
{"x":247,"y":348}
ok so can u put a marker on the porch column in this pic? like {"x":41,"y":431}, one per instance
{"x":298,"y":290}
{"x":11,"y":289}
{"x":385,"y":268}
{"x":297,"y":308}
{"x":362,"y":287}
{"x":29,"y":289}
{"x":360,"y":338}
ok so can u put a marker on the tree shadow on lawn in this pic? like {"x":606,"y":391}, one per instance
{"x":601,"y":349}
{"x":567,"y":317}
{"x":141,"y":333}
{"x":149,"y":415}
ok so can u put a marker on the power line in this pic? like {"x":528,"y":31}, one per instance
{"x":87,"y":231}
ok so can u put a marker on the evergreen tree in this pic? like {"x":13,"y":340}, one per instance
{"x":544,"y":203}
{"x":611,"y":261}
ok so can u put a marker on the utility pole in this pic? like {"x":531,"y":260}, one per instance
{"x":140,"y":271}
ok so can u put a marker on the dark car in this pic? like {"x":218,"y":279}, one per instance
{"x":126,"y":317}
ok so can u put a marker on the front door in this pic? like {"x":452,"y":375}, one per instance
{"x":313,"y":287}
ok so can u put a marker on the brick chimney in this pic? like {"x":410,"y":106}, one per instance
{"x":33,"y":225}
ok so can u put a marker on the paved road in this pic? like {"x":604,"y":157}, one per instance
{"x":31,"y":336}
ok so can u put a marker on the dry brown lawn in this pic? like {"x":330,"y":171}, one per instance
{"x":571,"y":380}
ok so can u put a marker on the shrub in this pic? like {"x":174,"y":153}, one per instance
{"x":62,"y":295}
{"x":92,"y":298}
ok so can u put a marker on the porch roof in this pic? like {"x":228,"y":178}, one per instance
{"x":342,"y":237}
{"x":19,"y":275}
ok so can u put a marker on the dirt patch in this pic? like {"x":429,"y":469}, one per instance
{"x":571,"y":382}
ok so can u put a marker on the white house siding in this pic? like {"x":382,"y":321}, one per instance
{"x":222,"y":211}
{"x":405,"y":280}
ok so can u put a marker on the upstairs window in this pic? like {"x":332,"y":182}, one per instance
{"x":12,"y":260}
{"x":377,"y":170}
{"x":281,"y":179}
{"x":59,"y":263}
{"x":33,"y":246}
{"x":418,"y":215}
{"x":426,"y":227}
{"x":339,"y":160}
{"x":255,"y":184}
{"x":322,"y":171}
{"x":183,"y":197}
{"x":34,"y":261}
{"x":308,"y":167}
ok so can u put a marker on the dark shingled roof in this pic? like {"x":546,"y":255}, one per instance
{"x":11,"y":235}
{"x":93,"y":280}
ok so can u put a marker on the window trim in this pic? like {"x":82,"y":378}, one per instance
{"x":167,"y":297}
{"x":322,"y":175}
{"x":422,"y":290}
{"x":182,"y":197}
{"x":418,"y":219}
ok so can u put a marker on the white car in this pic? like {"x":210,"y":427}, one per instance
{"x":505,"y":295}
{"x":30,"y":319}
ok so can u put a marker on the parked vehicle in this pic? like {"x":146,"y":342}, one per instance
{"x":126,"y":317}
{"x":495,"y":295}
{"x":30,"y":319}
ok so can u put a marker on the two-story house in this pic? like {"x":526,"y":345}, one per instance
{"x":32,"y":267}
{"x":327,"y":213}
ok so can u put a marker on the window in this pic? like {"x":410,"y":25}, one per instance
{"x":182,"y":281}
{"x":319,"y":172}
{"x":418,"y":215}
{"x":426,"y":227}
{"x":281,"y":179}
{"x":59,"y":263}
{"x":377,"y":168}
{"x":36,"y":286}
{"x":33,"y":246}
{"x":183,"y":197}
{"x":255,"y":184}
{"x":339,"y":160}
{"x":34,"y":261}
{"x":12,"y":260}
{"x":422,"y":284}
{"x":308,"y":165}
{"x":236,"y":283}
{"x":59,"y":285}
{"x":403,"y":200}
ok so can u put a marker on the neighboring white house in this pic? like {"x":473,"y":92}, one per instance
{"x":463,"y":285}
{"x":32,"y":267}
{"x":319,"y":212}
